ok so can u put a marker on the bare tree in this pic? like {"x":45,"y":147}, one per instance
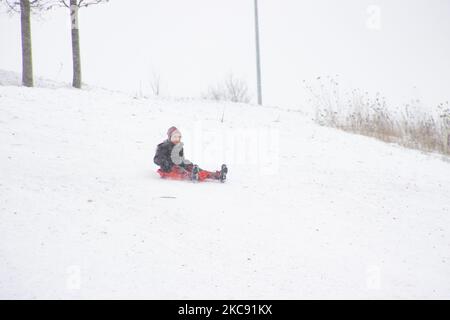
{"x":74,"y":5}
{"x":230,"y":89}
{"x":25,"y":8}
{"x":237,"y":89}
{"x":155,"y":83}
{"x":27,"y":59}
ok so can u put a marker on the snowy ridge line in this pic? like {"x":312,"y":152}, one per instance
{"x":11,"y":78}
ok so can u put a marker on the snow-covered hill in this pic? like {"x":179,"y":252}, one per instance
{"x":307,"y":211}
{"x":11,"y":78}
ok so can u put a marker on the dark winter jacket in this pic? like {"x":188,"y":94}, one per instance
{"x":169,"y":154}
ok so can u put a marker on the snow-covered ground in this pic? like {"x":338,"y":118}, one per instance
{"x":318,"y":213}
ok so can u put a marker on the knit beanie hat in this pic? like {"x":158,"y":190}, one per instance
{"x":171,"y":131}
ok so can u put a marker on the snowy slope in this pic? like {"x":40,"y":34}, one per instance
{"x":11,"y":78}
{"x":84,"y":215}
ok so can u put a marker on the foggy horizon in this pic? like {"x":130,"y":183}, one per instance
{"x":399,"y":49}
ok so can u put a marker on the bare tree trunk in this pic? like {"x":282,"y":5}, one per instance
{"x":27,"y":62}
{"x":76,"y":60}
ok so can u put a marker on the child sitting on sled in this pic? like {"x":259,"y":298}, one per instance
{"x":170,"y":157}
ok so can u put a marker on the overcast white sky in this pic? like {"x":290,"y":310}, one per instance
{"x":192,"y":44}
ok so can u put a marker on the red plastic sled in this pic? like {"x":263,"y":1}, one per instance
{"x":182,"y":175}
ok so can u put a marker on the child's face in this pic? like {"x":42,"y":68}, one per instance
{"x":175,"y":138}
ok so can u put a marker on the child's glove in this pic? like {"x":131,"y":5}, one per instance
{"x":166,"y":166}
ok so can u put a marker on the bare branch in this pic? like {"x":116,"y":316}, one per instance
{"x":155,"y":83}
{"x":12,"y":6}
{"x":231,"y":89}
{"x":87,"y":3}
{"x":35,"y":5}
